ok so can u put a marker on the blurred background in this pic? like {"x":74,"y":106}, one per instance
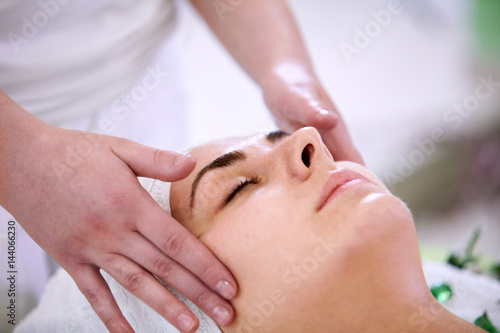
{"x":412,"y":88}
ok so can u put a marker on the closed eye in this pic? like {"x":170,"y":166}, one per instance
{"x":239,"y":187}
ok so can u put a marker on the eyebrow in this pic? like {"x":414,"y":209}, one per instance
{"x":228,"y":159}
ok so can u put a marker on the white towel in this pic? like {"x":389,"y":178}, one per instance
{"x":472,"y":293}
{"x":64,"y":309}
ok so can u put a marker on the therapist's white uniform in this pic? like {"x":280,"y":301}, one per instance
{"x":108,"y":66}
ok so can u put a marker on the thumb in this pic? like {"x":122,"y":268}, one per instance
{"x":340,"y":145}
{"x":154,"y":163}
{"x":300,"y":111}
{"x":320,"y":118}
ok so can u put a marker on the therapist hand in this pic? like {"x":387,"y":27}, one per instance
{"x":297,"y":99}
{"x":76,"y":194}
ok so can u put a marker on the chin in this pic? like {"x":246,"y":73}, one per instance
{"x":379,"y":223}
{"x":385,"y":212}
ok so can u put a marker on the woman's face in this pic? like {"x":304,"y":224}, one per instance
{"x":289,"y":222}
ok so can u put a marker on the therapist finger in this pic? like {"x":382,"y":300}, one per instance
{"x":95,"y":289}
{"x":161,"y":229}
{"x":338,"y":142}
{"x":177,"y":243}
{"x":140,"y":250}
{"x":309,"y":111}
{"x":303,"y":109}
{"x":147,"y":288}
{"x":152,"y":162}
{"x":336,"y":139}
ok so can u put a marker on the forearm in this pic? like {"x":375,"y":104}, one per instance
{"x":15,"y":121}
{"x":260,"y":34}
{"x":18,"y":128}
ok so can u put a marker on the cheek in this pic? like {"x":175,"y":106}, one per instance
{"x":246,"y":232}
{"x":257,"y":241}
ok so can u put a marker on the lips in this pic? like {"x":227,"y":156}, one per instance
{"x":336,"y":182}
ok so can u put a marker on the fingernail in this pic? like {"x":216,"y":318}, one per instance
{"x":185,"y":322}
{"x":179,"y":159}
{"x":327,"y":118}
{"x":221,"y":315}
{"x":323,"y":114}
{"x":225,"y":289}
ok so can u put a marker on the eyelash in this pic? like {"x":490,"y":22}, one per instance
{"x":239,"y":187}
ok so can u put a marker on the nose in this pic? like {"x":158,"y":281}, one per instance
{"x":301,"y":152}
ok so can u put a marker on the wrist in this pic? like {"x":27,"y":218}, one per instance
{"x":287,"y":76}
{"x":18,"y":131}
{"x":16,"y":122}
{"x":290,"y":72}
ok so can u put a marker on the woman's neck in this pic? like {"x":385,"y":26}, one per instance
{"x":421,"y":314}
{"x":398,"y":305}
{"x":428,"y":316}
{"x":406,"y":308}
